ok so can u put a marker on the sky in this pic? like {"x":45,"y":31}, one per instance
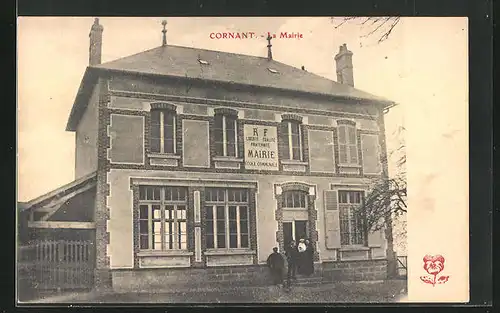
{"x":53,"y":54}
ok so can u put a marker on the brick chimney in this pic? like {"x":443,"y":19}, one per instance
{"x":95,"y":48}
{"x":343,"y":61}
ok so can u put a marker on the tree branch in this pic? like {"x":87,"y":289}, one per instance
{"x":377,"y":22}
{"x":386,"y":35}
{"x":378,"y":27}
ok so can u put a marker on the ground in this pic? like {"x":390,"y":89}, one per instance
{"x":380,"y":292}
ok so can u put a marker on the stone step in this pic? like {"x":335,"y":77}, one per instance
{"x":308,"y":280}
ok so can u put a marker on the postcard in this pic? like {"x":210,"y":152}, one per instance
{"x":242,"y":160}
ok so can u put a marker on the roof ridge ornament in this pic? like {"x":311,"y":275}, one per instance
{"x":269,"y":45}
{"x":164,"y":31}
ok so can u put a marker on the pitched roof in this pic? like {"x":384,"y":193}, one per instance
{"x":21,"y":206}
{"x":180,"y":61}
{"x":59,"y":192}
{"x":217,"y":66}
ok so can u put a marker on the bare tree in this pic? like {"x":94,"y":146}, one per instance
{"x":388,"y":196}
{"x":386,"y":201}
{"x":377,"y":26}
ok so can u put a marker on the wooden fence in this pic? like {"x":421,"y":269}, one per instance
{"x":58,"y":265}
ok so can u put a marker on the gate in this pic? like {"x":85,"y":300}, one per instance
{"x":58,"y":264}
{"x":402,"y":265}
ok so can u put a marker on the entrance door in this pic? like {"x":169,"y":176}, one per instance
{"x":294,"y":230}
{"x":287,"y":233}
{"x":300,"y":230}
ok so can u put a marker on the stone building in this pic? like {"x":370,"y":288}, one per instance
{"x":199,"y":162}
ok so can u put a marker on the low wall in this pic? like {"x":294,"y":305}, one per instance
{"x":354,"y":270}
{"x":169,"y":279}
{"x":157,"y":280}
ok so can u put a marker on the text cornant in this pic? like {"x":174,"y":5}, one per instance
{"x":253,"y":35}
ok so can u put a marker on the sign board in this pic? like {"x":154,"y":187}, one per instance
{"x":261,"y":147}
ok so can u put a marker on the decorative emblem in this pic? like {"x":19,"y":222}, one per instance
{"x":434,"y":264}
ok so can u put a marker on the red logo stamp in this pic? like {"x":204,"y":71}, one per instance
{"x":434,"y":264}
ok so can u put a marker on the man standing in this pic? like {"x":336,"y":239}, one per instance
{"x":291,"y":257}
{"x":276,"y":264}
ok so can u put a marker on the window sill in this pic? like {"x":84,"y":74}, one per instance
{"x":294,"y":165}
{"x":227,"y":159}
{"x":350,"y":165}
{"x":164,"y":253}
{"x":354,"y":248}
{"x":164,"y":156}
{"x":229,"y":252}
{"x":293,"y":162}
{"x":228,"y":162}
{"x":164,"y":159}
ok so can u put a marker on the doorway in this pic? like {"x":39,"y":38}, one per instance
{"x":294,"y":230}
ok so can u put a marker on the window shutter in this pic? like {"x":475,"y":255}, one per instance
{"x":353,"y":145}
{"x":332,"y":229}
{"x":342,"y":144}
{"x":353,"y":153}
{"x":351,"y":135}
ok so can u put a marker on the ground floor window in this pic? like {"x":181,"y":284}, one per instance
{"x":227,"y":218}
{"x":352,"y":223}
{"x":162,"y":218}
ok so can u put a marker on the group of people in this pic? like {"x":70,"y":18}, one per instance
{"x":300,"y":260}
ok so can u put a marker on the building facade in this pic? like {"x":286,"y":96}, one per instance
{"x":203,"y":161}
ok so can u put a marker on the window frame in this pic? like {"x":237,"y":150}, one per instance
{"x":163,"y":115}
{"x":213,"y":205}
{"x":345,"y":128}
{"x":178,"y":244}
{"x":225,"y":141}
{"x":348,"y":207}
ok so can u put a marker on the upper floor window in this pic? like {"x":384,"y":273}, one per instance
{"x":227,"y":218}
{"x":291,"y":137}
{"x":294,"y":199}
{"x":352,"y":222}
{"x":162,"y":218}
{"x":226,"y":133}
{"x":348,"y":143}
{"x":163,"y":129}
